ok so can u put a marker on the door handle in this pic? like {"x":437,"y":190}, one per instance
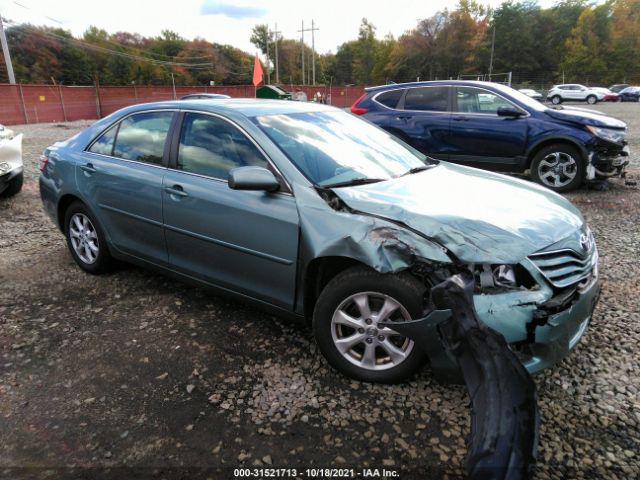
{"x":460,"y":119}
{"x":88,"y":168}
{"x":404,"y":117}
{"x":176,"y":190}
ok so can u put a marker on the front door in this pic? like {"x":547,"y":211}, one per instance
{"x":479,"y":137}
{"x":244,"y":241}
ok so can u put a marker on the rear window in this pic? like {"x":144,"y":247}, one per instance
{"x":104,"y":144}
{"x":391,"y":98}
{"x":142,"y":136}
{"x":434,"y":99}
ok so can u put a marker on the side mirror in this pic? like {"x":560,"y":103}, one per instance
{"x":509,"y":112}
{"x":253,"y":178}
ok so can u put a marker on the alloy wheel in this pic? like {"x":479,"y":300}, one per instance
{"x":557,"y":169}
{"x":84,"y":239}
{"x":359,"y":337}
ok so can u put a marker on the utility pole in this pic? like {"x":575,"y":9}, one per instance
{"x":276,"y":33}
{"x":313,"y":52}
{"x":7,"y":55}
{"x":302,"y":48}
{"x":268,"y":69}
{"x":493,"y":43}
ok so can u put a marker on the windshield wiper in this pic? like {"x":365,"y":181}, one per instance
{"x":353,"y":182}
{"x":421,"y":168}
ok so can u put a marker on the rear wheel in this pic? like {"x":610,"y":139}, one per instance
{"x":558,"y":167}
{"x":85,"y":240}
{"x":346,"y":324}
{"x":591,"y":99}
{"x":556,"y":100}
{"x":15,"y":185}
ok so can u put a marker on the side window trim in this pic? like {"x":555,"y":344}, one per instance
{"x":116,"y":125}
{"x":175,"y":143}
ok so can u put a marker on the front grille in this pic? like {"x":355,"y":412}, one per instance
{"x":564,"y":268}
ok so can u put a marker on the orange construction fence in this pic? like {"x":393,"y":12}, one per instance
{"x":20,"y":104}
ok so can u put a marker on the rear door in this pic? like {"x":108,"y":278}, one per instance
{"x":245,"y":241}
{"x":120,"y":176}
{"x":425,"y":117}
{"x":479,"y":137}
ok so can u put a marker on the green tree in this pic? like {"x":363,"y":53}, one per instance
{"x":587,"y":47}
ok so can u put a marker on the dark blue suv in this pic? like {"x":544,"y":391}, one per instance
{"x":495,"y":127}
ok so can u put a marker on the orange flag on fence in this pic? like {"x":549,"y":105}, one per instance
{"x":257,"y":72}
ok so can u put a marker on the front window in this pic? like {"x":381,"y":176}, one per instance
{"x":334,"y":148}
{"x":212,"y":147}
{"x":476,"y":100}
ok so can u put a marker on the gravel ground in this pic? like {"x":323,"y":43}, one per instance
{"x":134,"y":370}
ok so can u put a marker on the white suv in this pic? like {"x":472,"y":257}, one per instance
{"x":574,"y":92}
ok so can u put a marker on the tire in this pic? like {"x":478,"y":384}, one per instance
{"x":592,"y":100}
{"x":85,"y":240}
{"x":556,"y":100}
{"x":340,"y":301}
{"x":15,"y":185}
{"x":544,"y":171}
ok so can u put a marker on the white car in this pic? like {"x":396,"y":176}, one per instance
{"x":529,"y":92}
{"x":11,"y":176}
{"x":574,"y":92}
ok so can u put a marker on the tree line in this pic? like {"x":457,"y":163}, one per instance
{"x":572,"y":41}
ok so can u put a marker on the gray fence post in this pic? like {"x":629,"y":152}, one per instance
{"x":64,"y":110}
{"x":24,"y":108}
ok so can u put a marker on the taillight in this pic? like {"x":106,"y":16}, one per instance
{"x":359,"y":110}
{"x":44,"y":160}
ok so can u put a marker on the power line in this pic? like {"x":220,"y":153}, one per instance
{"x":89,"y":46}
{"x":118,"y":44}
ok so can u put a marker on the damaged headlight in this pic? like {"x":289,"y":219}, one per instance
{"x":608,"y":134}
{"x":505,"y":275}
{"x":491,"y":277}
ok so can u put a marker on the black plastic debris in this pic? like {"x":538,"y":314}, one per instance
{"x":504,"y":410}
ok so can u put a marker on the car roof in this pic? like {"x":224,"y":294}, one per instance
{"x":462,"y":83}
{"x":249,"y":107}
{"x":204,"y":95}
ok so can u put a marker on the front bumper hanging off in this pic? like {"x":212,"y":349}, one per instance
{"x":606,"y":162}
{"x":505,"y":418}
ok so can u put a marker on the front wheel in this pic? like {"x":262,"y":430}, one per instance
{"x":591,"y":99}
{"x":346,"y":324}
{"x":558,"y":167}
{"x":85,"y":240}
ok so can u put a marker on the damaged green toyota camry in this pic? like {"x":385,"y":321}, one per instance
{"x":313,"y":213}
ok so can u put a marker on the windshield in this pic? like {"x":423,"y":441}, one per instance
{"x":333,"y":148}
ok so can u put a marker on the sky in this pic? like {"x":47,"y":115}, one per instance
{"x":231,"y":21}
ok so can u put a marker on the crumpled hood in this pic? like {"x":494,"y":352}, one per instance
{"x":481,"y":217}
{"x":586,"y":117}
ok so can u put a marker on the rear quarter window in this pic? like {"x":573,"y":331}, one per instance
{"x":391,"y":98}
